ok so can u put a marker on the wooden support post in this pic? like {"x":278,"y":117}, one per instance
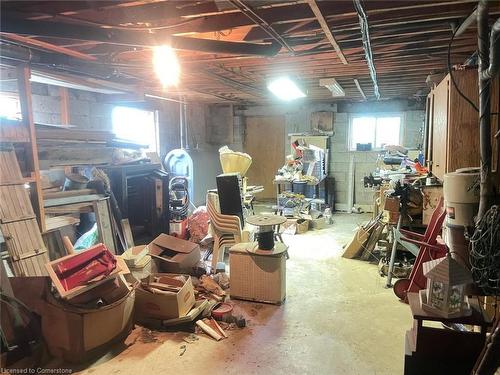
{"x":25,"y":99}
{"x":63,"y":93}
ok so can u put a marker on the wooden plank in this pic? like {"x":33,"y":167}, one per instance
{"x":67,"y":193}
{"x":9,"y":167}
{"x":326,"y":30}
{"x":57,"y":222}
{"x":72,"y":200}
{"x":358,"y":86}
{"x":25,"y":99}
{"x":127,"y":232}
{"x":84,"y":207}
{"x":47,"y":46}
{"x":64,"y":104}
{"x":104,"y":225}
{"x":15,"y":203}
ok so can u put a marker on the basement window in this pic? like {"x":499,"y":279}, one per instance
{"x":137,"y":126}
{"x":379,"y":130}
{"x":10,"y":107}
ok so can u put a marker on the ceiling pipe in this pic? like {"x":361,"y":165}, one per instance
{"x":487,"y":194}
{"x":491,"y":71}
{"x":365,"y":33}
{"x":264,"y":25}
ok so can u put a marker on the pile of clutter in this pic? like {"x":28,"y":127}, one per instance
{"x":91,"y":298}
{"x":305,"y":165}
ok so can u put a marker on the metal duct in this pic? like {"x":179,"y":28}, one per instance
{"x":494,"y":66}
{"x":486,"y":193}
{"x":365,"y":33}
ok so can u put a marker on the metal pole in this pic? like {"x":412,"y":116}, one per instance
{"x":393,"y":252}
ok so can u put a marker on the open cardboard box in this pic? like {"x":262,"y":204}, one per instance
{"x":73,"y":333}
{"x":173,"y":254}
{"x":121,"y":268}
{"x":165,"y":305}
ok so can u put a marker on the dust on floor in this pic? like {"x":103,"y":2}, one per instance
{"x":337,"y":319}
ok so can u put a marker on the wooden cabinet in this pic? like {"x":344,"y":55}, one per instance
{"x":454,"y":124}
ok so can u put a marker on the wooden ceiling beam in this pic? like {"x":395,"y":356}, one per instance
{"x":326,"y":30}
{"x":31,"y":42}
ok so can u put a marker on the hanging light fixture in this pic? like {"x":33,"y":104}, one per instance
{"x":166,"y":65}
{"x":285,"y":89}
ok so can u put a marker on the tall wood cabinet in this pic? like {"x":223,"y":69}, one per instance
{"x":453,"y":140}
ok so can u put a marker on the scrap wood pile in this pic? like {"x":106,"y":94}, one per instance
{"x":365,"y":240}
{"x":91,"y":299}
{"x":66,"y":145}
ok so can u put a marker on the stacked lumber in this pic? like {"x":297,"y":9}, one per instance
{"x":13,"y":131}
{"x":68,"y":134}
{"x":18,"y":221}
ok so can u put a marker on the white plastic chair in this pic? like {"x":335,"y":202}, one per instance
{"x":225,"y":229}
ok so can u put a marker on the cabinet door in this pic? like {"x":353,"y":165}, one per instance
{"x":463,"y":129}
{"x":439,"y":128}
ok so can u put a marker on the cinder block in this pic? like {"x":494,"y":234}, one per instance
{"x":41,"y":117}
{"x":101,"y":109}
{"x":47,"y":104}
{"x":80,"y":121}
{"x":340,"y":177}
{"x":53,"y":90}
{"x":341,"y":117}
{"x":39,"y":89}
{"x":339,"y":167}
{"x":341,"y":196}
{"x":79,"y":107}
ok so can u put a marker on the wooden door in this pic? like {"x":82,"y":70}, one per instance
{"x":265,"y":143}
{"x":439,"y":128}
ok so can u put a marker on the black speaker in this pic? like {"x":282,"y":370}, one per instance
{"x":230,"y":200}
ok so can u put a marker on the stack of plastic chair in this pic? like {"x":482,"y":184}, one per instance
{"x":225,"y":229}
{"x":430,"y":247}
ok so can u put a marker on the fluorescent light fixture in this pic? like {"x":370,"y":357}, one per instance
{"x":332,"y":85}
{"x":285,"y":89}
{"x":166,"y":65}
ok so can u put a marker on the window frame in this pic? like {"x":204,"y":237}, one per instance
{"x":155,"y":119}
{"x":401,"y":115}
{"x":15,"y":96}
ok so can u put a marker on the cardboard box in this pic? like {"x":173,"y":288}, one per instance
{"x":352,"y":249}
{"x":167,"y":305}
{"x":121,"y":268}
{"x":135,"y":255}
{"x":73,"y":333}
{"x":258,"y":275}
{"x":391,"y":204}
{"x":173,"y":254}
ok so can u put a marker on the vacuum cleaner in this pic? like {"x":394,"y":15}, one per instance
{"x":179,"y":206}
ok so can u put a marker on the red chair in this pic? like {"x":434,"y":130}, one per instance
{"x":430,"y":247}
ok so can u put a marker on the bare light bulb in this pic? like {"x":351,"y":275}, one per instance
{"x":166,"y":65}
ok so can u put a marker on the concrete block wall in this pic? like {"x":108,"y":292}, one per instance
{"x":297,"y":119}
{"x":87,"y":110}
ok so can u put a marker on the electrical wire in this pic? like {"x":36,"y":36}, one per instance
{"x":485,"y":252}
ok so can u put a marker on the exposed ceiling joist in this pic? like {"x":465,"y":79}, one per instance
{"x":262,"y":23}
{"x":326,"y":30}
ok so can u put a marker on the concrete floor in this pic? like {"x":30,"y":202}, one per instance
{"x":337,"y":319}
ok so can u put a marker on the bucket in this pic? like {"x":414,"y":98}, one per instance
{"x":75,"y":181}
